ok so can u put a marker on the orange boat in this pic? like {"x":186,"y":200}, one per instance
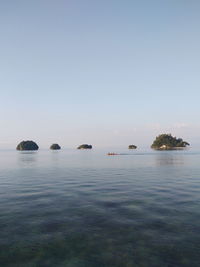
{"x":112,"y":154}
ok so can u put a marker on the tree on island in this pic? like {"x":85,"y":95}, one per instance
{"x":27,"y":145}
{"x":167,"y":142}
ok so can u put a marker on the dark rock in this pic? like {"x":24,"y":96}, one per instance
{"x":55,"y":147}
{"x":85,"y":146}
{"x":27,"y":145}
{"x":132,"y":147}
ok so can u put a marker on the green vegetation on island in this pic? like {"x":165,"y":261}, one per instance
{"x":132,"y":147}
{"x":55,"y":147}
{"x":27,"y":145}
{"x":168,"y":142}
{"x":162,"y":142}
{"x":84,"y":146}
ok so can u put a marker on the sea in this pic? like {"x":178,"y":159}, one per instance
{"x":87,"y":209}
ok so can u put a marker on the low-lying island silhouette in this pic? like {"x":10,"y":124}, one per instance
{"x":84,"y":146}
{"x":132,"y":147}
{"x":55,"y":147}
{"x":162,"y":142}
{"x":27,"y":145}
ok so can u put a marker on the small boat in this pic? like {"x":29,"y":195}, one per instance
{"x":112,"y":154}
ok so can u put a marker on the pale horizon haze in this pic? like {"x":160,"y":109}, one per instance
{"x":106,"y":73}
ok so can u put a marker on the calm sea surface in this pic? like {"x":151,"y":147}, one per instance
{"x":84,"y":208}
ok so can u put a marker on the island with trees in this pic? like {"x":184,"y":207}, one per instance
{"x":27,"y":145}
{"x":168,"y":142}
{"x":55,"y":147}
{"x":84,"y":146}
{"x":162,"y":142}
{"x":132,"y":147}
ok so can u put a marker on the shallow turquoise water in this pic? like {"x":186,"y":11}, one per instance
{"x":84,"y":208}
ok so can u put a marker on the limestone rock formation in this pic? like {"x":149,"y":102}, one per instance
{"x":27,"y":145}
{"x":55,"y":147}
{"x":132,"y":147}
{"x":84,"y":146}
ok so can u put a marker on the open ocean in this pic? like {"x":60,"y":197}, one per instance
{"x":86,"y":209}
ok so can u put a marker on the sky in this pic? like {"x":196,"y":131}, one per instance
{"x":106,"y":73}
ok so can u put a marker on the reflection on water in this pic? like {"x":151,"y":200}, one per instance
{"x":90,"y":210}
{"x":27,"y":158}
{"x":169,"y":158}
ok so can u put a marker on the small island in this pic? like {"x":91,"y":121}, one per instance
{"x":132,"y":147}
{"x":27,"y":145}
{"x":84,"y":146}
{"x":55,"y":147}
{"x":168,"y":142}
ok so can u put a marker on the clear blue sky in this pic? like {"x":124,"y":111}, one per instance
{"x":103,"y":72}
